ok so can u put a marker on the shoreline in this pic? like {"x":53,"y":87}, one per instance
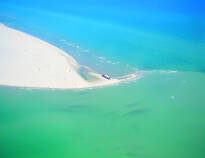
{"x":28,"y":62}
{"x":131,"y":79}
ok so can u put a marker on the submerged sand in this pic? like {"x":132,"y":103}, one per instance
{"x":26,"y":61}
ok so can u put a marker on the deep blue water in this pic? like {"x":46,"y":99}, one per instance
{"x":117,"y":37}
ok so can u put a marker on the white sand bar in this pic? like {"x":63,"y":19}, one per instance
{"x":26,"y":61}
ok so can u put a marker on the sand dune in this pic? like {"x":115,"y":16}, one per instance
{"x":26,"y":61}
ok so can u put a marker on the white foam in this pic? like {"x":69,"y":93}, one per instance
{"x":172,"y":97}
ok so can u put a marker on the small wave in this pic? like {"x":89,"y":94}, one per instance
{"x":157,"y":71}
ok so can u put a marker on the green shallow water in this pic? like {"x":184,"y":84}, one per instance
{"x":160,"y":115}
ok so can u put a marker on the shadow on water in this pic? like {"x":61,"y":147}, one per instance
{"x":123,"y":112}
{"x":131,"y":154}
{"x":130,"y":105}
{"x":73,"y":108}
{"x":136,"y":112}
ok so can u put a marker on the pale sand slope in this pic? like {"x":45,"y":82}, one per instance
{"x":26,"y":61}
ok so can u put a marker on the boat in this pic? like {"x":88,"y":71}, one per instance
{"x":106,"y":77}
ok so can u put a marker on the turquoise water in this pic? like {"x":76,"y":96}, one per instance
{"x":159,"y":115}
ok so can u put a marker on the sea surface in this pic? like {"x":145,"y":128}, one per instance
{"x":160,"y":115}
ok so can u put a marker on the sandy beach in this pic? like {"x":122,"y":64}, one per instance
{"x":26,"y":61}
